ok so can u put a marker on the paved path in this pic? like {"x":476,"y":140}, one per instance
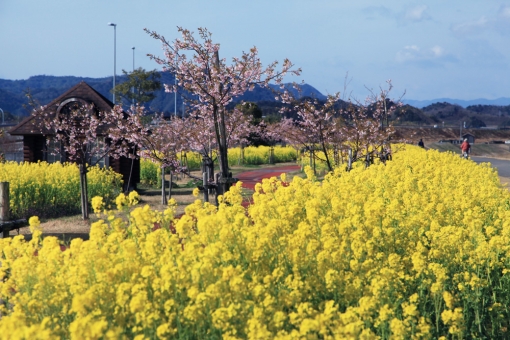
{"x":503,"y":165}
{"x":250,"y":178}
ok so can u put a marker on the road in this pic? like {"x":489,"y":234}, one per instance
{"x":502,"y":165}
{"x":250,"y":178}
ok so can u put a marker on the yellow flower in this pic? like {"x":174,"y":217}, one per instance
{"x":133,"y":198}
{"x":34,"y":222}
{"x":196,"y":192}
{"x":97,"y":204}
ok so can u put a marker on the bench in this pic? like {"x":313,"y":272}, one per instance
{"x":6,"y":226}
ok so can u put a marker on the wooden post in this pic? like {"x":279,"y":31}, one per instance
{"x":218,"y":190}
{"x":4,"y":206}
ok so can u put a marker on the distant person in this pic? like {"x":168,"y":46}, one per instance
{"x":465,"y":147}
{"x":420,"y":144}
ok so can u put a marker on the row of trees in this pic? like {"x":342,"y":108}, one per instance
{"x":349,"y":132}
{"x":209,"y":84}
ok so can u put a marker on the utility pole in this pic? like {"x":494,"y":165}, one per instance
{"x":114,"y":56}
{"x":175,"y":93}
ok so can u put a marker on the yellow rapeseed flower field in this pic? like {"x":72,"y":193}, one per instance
{"x":53,"y":189}
{"x":150,"y":172}
{"x":418,"y":248}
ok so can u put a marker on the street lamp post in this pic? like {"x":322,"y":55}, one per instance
{"x":175,"y":93}
{"x":114,"y":55}
{"x":133,"y":89}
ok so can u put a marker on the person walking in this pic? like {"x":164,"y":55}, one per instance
{"x":466,"y":148}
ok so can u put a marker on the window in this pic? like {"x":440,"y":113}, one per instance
{"x":98,"y":150}
{"x":54,"y":152}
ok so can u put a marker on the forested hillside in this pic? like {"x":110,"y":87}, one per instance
{"x":46,"y":88}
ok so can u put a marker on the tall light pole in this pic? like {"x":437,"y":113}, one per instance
{"x":175,"y":93}
{"x":133,"y":72}
{"x":133,"y":48}
{"x":114,"y":55}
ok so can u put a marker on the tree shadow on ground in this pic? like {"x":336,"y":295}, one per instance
{"x":66,"y":238}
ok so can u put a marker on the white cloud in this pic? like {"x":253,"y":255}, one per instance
{"x":472,"y":27}
{"x":499,"y":21}
{"x":411,"y":52}
{"x":504,"y":12}
{"x":430,"y":56}
{"x":437,"y":51}
{"x":413,"y":14}
{"x":417,"y":13}
{"x":373,"y":11}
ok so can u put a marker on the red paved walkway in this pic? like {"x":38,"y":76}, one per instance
{"x":250,"y":178}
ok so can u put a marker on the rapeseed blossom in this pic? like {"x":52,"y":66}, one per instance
{"x":51,"y":189}
{"x":411,"y":249}
{"x":150,"y":172}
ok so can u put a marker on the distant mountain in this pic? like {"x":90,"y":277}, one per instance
{"x":305,"y":90}
{"x":464,"y":103}
{"x":442,"y":111}
{"x":43,"y":89}
{"x":46,"y":88}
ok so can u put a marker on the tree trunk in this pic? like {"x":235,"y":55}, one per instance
{"x":225,"y":180}
{"x":170,"y":185}
{"x":314,"y":167}
{"x":328,"y":161}
{"x":163,"y":191}
{"x":84,"y":192}
{"x":311,"y":158}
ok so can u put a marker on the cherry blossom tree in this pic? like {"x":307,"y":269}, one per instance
{"x":201,"y":137}
{"x":318,"y":128}
{"x":356,"y":130}
{"x":366,"y":134}
{"x":80,"y":132}
{"x":160,"y":140}
{"x":213,"y":83}
{"x":320,"y":125}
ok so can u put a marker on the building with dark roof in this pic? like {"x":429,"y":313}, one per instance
{"x":35,"y":135}
{"x":470,"y":138}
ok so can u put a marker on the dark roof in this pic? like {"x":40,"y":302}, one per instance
{"x":34,"y":126}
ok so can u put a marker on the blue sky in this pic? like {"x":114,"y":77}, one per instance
{"x":430,"y":49}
